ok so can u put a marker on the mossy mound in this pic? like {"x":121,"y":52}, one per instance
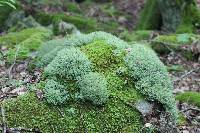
{"x":104,"y":77}
{"x":175,"y":42}
{"x":139,"y":35}
{"x":13,"y":38}
{"x":81,"y":22}
{"x":189,"y":97}
{"x":23,"y":42}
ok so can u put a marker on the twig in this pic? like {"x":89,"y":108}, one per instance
{"x":193,"y":109}
{"x":3,"y":119}
{"x":187,"y":74}
{"x":61,"y":113}
{"x":11,"y":67}
{"x":7,"y":94}
{"x":21,"y":129}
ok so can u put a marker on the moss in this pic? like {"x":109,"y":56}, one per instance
{"x":189,"y":97}
{"x":72,"y":7}
{"x":55,"y":93}
{"x":151,"y":77}
{"x":27,"y":111}
{"x":86,"y":24}
{"x":190,"y":19}
{"x":136,"y":35}
{"x":70,"y":64}
{"x":83,"y":23}
{"x":150,"y":17}
{"x":102,"y":55}
{"x":140,"y":72}
{"x":26,"y":41}
{"x":4,"y":13}
{"x":181,"y":120}
{"x":14,"y":38}
{"x":93,"y":87}
{"x":163,"y":43}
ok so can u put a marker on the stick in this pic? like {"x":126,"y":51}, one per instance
{"x":21,"y":129}
{"x":3,"y":119}
{"x":187,"y":74}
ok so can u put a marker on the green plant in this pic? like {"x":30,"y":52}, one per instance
{"x":70,"y":63}
{"x":93,"y":87}
{"x":55,"y":93}
{"x":150,"y":76}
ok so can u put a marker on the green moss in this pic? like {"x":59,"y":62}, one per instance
{"x":141,"y":73}
{"x":4,"y":13}
{"x":163,"y":43}
{"x":150,"y":16}
{"x":14,"y":38}
{"x":151,"y":77}
{"x":55,"y":93}
{"x":102,"y":55}
{"x":190,"y":19}
{"x":136,"y":35}
{"x":26,"y":42}
{"x":27,"y":111}
{"x":93,"y":87}
{"x":181,"y":120}
{"x":83,"y":23}
{"x":70,"y":64}
{"x":189,"y":97}
{"x":72,"y":7}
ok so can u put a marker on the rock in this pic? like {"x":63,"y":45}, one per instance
{"x":65,"y":28}
{"x":144,"y":107}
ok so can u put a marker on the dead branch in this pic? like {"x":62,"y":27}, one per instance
{"x":21,"y":129}
{"x":7,"y":95}
{"x":187,"y":74}
{"x":3,"y":119}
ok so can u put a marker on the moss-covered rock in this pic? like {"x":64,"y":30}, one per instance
{"x":189,"y":97}
{"x":95,"y":69}
{"x":83,"y":23}
{"x":175,"y":42}
{"x":136,"y":35}
{"x":24,"y":42}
